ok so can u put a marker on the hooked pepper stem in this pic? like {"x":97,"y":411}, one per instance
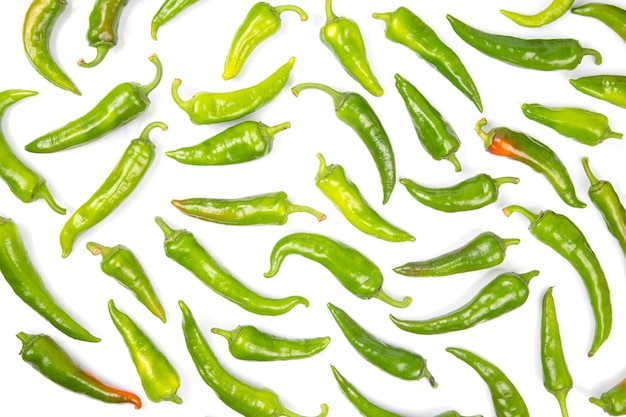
{"x":457,"y":165}
{"x":594,"y":53}
{"x":479,"y":130}
{"x":519,"y":209}
{"x":334,"y":94}
{"x":296,"y":208}
{"x":291,"y":8}
{"x":42,"y":192}
{"x":592,"y":178}
{"x":101,"y":52}
{"x":330,"y":15}
{"x":505,"y":180}
{"x":382,"y":296}
{"x":145,"y":133}
{"x":147,"y":88}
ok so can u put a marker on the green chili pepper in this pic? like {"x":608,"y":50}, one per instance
{"x":503,"y":294}
{"x":394,"y":360}
{"x":520,"y":147}
{"x":613,"y":401}
{"x":120,"y":263}
{"x":507,"y":401}
{"x":345,"y":195}
{"x":251,"y":344}
{"x":270,"y":208}
{"x":26,"y":184}
{"x":236,"y":394}
{"x":357,"y":273}
{"x":343,"y":37}
{"x":551,"y":13}
{"x":102,"y":33}
{"x":209,"y":107}
{"x":610,"y":15}
{"x":470,"y":194}
{"x":584,"y":126}
{"x":556,"y":377}
{"x":243,"y":142}
{"x":610,"y":88}
{"x":406,"y":28}
{"x":168,"y":10}
{"x":352,"y":109}
{"x":48,"y":358}
{"x":122,"y":104}
{"x":537,"y":54}
{"x":120,"y":183}
{"x":159,"y":379}
{"x":20,"y":273}
{"x":261,"y":22}
{"x":561,"y":234}
{"x":484,"y":251}
{"x":182,"y":247}
{"x":38,"y":24}
{"x":435,"y":134}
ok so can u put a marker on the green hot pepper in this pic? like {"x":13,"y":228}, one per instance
{"x":120,"y":183}
{"x":210,"y":107}
{"x":610,"y":88}
{"x":610,"y":15}
{"x":243,"y":142}
{"x":551,"y":13}
{"x":613,"y":401}
{"x":352,"y":109}
{"x":357,"y":273}
{"x":182,"y":247}
{"x":102,"y":33}
{"x":561,"y":234}
{"x":261,"y":22}
{"x":168,"y":10}
{"x":245,"y":399}
{"x":251,"y":344}
{"x":122,"y":104}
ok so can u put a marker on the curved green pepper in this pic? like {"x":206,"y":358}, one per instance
{"x":610,"y":88}
{"x":102,"y":33}
{"x":613,"y":401}
{"x":168,"y":10}
{"x":551,"y":13}
{"x":610,"y":15}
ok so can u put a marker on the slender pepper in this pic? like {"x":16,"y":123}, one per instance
{"x":610,"y":88}
{"x":243,"y":142}
{"x":261,"y":22}
{"x":507,"y":401}
{"x":613,"y":401}
{"x":406,"y":28}
{"x":20,"y":273}
{"x":251,"y":344}
{"x":520,"y":147}
{"x":470,"y":194}
{"x":210,"y":107}
{"x":122,"y":104}
{"x":352,"y":109}
{"x":612,"y":16}
{"x":120,"y":263}
{"x":356,"y":272}
{"x":245,"y":399}
{"x":168,"y":10}
{"x":123,"y":179}
{"x":484,"y":251}
{"x":584,"y":126}
{"x":182,"y":247}
{"x":26,"y":184}
{"x":159,"y":379}
{"x":103,"y":24}
{"x":48,"y":358}
{"x":345,"y":195}
{"x":394,"y":360}
{"x":38,"y":25}
{"x":270,"y":208}
{"x":537,"y":54}
{"x":551,"y":13}
{"x":434,"y":132}
{"x":561,"y":234}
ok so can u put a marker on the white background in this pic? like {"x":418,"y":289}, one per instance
{"x":193,"y":47}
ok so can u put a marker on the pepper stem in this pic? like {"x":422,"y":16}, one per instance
{"x":167,"y":230}
{"x":291,"y":8}
{"x":98,"y":249}
{"x":146,"y":89}
{"x":330,"y":15}
{"x":295,"y":208}
{"x":24,"y":337}
{"x":282,"y":411}
{"x":42,"y":192}
{"x":613,"y":135}
{"x":334,"y":94}
{"x":599,"y":402}
{"x":519,"y":209}
{"x":386,"y":17}
{"x":272,"y":130}
{"x":431,"y":378}
{"x":145,"y":133}
{"x":227,"y":334}
{"x":179,"y":101}
{"x":479,"y":130}
{"x":560,"y":397}
{"x":382,"y":296}
{"x":505,"y":180}
{"x":592,"y":178}
{"x":527,"y":276}
{"x":101,"y":52}
{"x":457,"y":165}
{"x":174,"y":398}
{"x":323,"y":169}
{"x":594,"y":53}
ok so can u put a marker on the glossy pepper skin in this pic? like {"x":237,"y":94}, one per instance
{"x":242,"y":397}
{"x":168,"y":10}
{"x":537,"y":54}
{"x":612,"y":16}
{"x":610,"y":88}
{"x":116,"y":188}
{"x":484,"y":251}
{"x":551,"y":13}
{"x":182,"y":247}
{"x":502,"y":141}
{"x":352,"y":109}
{"x":159,"y":379}
{"x":584,"y":126}
{"x":503,"y":294}
{"x":48,"y":358}
{"x":251,"y":344}
{"x":561,"y":234}
{"x":406,"y":28}
{"x":120,"y":263}
{"x":210,"y":107}
{"x":23,"y":181}
{"x":37,"y":30}
{"x":122,"y":104}
{"x":20,"y":273}
{"x":394,"y":360}
{"x":243,"y":142}
{"x":103,"y":24}
{"x":261,"y":22}
{"x":613,"y":401}
{"x":470,"y":194}
{"x":344,"y":194}
{"x":268,"y":209}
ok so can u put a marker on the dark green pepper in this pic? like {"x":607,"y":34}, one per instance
{"x":102,"y":33}
{"x":610,"y":88}
{"x":613,"y":401}
{"x":168,"y":10}
{"x":610,"y":15}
